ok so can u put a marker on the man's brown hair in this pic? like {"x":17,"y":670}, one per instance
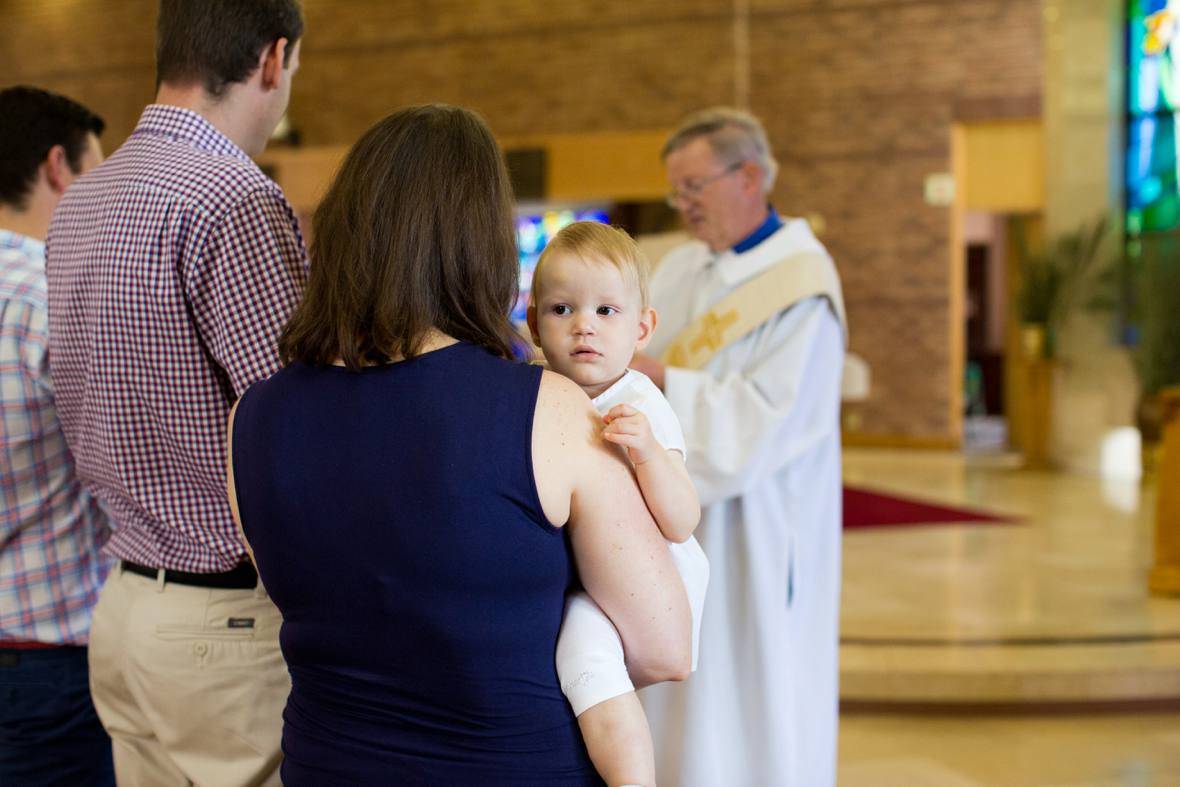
{"x":34,"y":121}
{"x":216,"y":43}
{"x":416,"y":232}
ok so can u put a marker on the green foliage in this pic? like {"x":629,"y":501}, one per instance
{"x":1141,"y":288}
{"x":1156,"y":312}
{"x":1054,"y":278}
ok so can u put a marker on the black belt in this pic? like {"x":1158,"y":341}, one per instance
{"x":243,"y":576}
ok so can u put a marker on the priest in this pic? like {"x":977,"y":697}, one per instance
{"x":749,"y":353}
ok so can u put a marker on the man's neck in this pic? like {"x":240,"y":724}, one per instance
{"x":30,"y":223}
{"x":747,"y":228}
{"x":224,"y":113}
{"x":767,"y":228}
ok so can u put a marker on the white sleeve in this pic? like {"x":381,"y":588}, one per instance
{"x":743,"y":427}
{"x":665,"y":426}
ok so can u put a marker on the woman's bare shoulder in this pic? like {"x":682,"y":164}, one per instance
{"x":559,"y":389}
{"x":565,"y":409}
{"x":565,"y":436}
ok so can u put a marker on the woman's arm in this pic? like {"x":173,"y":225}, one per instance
{"x":622,"y":558}
{"x":670,"y":495}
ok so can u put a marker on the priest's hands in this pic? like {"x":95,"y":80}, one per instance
{"x":650,"y":366}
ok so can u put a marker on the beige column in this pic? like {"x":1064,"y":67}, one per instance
{"x":1095,"y":387}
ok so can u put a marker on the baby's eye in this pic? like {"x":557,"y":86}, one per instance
{"x":607,"y":311}
{"x":561,"y":309}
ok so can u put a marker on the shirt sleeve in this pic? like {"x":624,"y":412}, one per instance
{"x":744,"y":426}
{"x":252,"y":274}
{"x":32,"y":334}
{"x":665,"y":426}
{"x":25,"y":396}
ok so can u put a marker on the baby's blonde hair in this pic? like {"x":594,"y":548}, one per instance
{"x":593,"y":241}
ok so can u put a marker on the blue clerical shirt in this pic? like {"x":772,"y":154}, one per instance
{"x":772,"y":225}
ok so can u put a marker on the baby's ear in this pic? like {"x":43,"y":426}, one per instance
{"x":647,"y":326}
{"x":530,"y":317}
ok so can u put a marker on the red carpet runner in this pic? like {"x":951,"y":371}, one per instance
{"x":863,"y":508}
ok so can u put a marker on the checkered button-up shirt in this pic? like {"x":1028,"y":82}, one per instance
{"x":172,"y":269}
{"x":50,"y":527}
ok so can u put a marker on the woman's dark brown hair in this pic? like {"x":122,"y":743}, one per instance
{"x":416,"y":232}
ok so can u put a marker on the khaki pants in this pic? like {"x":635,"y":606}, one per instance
{"x":187,"y":697}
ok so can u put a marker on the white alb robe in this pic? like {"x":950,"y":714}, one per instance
{"x":761,"y":423}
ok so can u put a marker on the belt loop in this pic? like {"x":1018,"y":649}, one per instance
{"x":160,"y":580}
{"x":259,"y":590}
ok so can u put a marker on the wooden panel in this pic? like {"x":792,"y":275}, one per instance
{"x":1016,"y":384}
{"x":1005,"y":166}
{"x":615,"y":166}
{"x":608,"y":167}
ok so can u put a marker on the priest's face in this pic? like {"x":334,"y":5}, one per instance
{"x":721,"y":203}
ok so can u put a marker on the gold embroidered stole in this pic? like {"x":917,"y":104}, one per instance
{"x":795,"y":278}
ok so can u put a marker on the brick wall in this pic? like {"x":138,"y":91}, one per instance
{"x":858,"y":97}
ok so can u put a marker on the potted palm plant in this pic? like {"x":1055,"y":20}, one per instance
{"x":1053,"y":282}
{"x":1143,"y":288}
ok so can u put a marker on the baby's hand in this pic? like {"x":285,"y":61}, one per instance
{"x":628,"y":427}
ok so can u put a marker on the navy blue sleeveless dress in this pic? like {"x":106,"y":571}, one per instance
{"x":396,"y":524}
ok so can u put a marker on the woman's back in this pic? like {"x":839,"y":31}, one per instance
{"x":398,"y":529}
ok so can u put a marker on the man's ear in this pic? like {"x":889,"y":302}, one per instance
{"x":751,"y":176}
{"x":271,"y":63}
{"x":647,"y":326}
{"x":57,"y":169}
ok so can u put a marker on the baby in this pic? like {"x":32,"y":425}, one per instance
{"x":589,"y":314}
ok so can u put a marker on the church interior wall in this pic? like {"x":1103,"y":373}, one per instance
{"x":859,"y":97}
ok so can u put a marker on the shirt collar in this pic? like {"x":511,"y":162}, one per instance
{"x":793,"y":236}
{"x":29,"y":247}
{"x":764,"y":231}
{"x":187,"y":126}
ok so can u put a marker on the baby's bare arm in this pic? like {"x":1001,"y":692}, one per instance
{"x":663,"y":479}
{"x":618,"y":740}
{"x":670,"y":495}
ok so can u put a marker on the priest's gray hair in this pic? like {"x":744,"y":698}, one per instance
{"x":733,"y":134}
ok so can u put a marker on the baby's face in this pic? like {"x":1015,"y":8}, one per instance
{"x":589,"y":321}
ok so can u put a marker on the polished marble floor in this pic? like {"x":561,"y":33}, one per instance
{"x":941,"y":622}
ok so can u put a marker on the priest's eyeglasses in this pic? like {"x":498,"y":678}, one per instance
{"x":692,"y":189}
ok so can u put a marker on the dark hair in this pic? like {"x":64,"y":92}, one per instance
{"x":416,"y":232}
{"x":32,"y":121}
{"x":218,"y":42}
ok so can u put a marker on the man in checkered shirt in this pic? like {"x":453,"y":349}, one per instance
{"x":172,"y":269}
{"x":51,"y":529}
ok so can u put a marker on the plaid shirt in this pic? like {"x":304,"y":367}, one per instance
{"x":172,"y":267}
{"x":50,"y":528}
